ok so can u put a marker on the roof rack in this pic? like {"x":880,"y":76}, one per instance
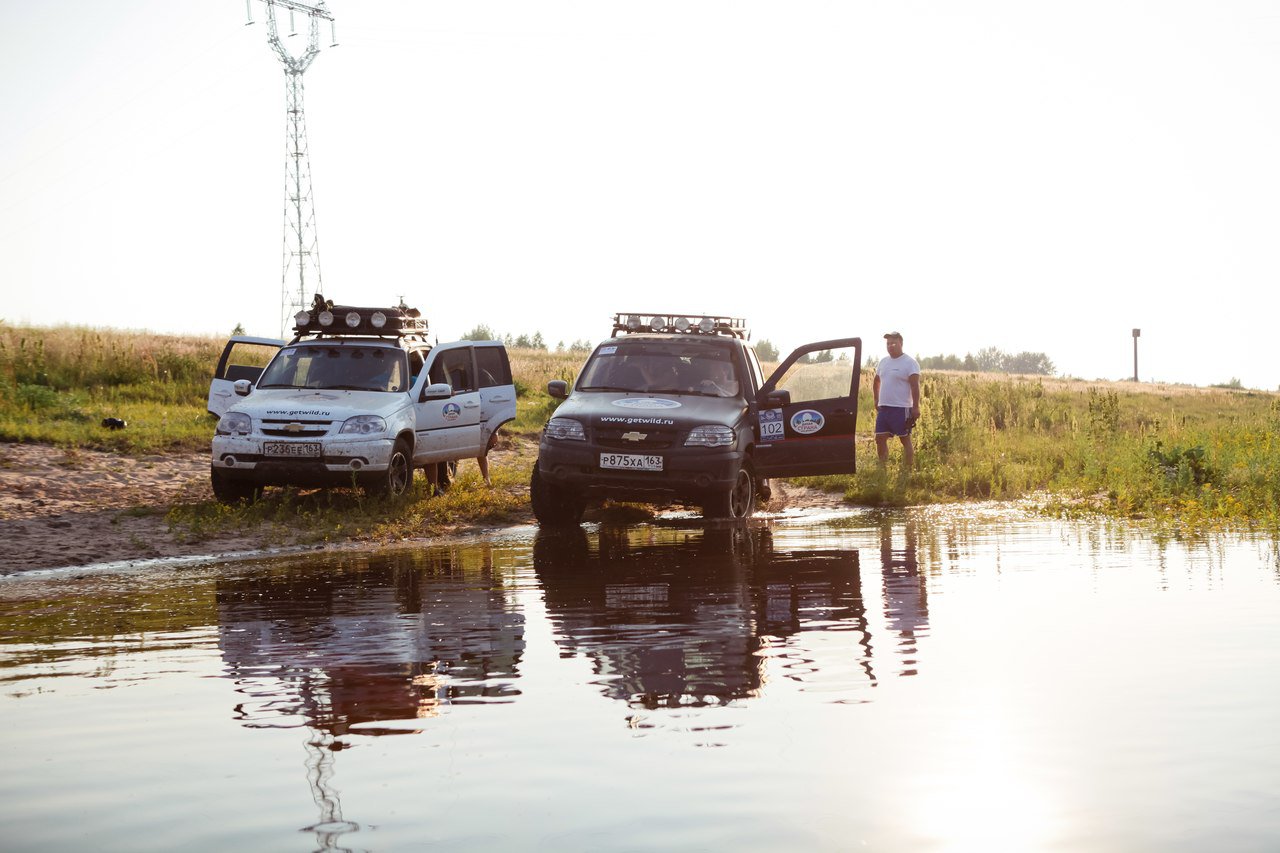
{"x":325,"y":318}
{"x":681,"y":324}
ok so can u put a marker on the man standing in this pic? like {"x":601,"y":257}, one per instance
{"x":896,"y":393}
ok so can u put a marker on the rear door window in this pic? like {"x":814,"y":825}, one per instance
{"x":492,"y":366}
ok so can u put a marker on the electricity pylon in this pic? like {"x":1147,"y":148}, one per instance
{"x":300,"y":279}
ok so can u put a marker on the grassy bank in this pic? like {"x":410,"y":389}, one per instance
{"x":1200,"y":456}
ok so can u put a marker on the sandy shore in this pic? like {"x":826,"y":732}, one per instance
{"x":80,"y":507}
{"x":77,"y":507}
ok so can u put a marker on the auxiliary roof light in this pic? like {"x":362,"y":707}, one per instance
{"x":353,"y":319}
{"x":326,"y":318}
{"x":302,"y":318}
{"x":707,"y":325}
{"x":682,"y":324}
{"x":378,"y":319}
{"x":656,"y":324}
{"x":633,"y":323}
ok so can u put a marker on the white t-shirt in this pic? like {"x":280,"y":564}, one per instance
{"x":895,"y":380}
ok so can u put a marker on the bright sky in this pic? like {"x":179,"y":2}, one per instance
{"x":1031,"y":176}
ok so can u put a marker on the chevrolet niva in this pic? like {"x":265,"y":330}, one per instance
{"x":357,"y":397}
{"x":676,"y":409}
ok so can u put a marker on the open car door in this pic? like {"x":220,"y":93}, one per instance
{"x":808,"y":411}
{"x":242,"y":358}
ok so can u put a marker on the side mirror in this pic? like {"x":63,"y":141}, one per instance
{"x":558,"y":388}
{"x":242,"y":387}
{"x":776,"y":399}
{"x":437,"y":391}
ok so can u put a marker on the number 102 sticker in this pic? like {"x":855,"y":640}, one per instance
{"x":771,"y":424}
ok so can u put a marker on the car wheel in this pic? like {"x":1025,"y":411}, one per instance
{"x":739,"y":501}
{"x":553,"y":505}
{"x":233,"y":491}
{"x":393,"y":482}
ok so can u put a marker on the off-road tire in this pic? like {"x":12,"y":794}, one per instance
{"x":395,"y":481}
{"x":553,"y":505}
{"x":232,"y":491}
{"x":737,"y":502}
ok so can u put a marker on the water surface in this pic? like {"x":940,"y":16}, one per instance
{"x":927,"y":680}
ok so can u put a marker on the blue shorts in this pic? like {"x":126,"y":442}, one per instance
{"x":894,"y":420}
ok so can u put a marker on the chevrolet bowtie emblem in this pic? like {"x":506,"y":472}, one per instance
{"x":293,"y":427}
{"x":634,"y":436}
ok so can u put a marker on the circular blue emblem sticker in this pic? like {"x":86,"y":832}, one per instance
{"x":452,"y":411}
{"x":646,"y":403}
{"x":807,"y":421}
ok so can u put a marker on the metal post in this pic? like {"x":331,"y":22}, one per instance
{"x":1137,"y":333}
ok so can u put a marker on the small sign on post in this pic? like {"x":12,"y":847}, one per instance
{"x":1137,"y":333}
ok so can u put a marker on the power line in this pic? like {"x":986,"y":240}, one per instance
{"x":300,"y":279}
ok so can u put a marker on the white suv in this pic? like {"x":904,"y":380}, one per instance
{"x":358,"y":397}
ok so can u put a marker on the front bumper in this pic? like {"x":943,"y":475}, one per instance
{"x":341,"y":462}
{"x":687,"y":472}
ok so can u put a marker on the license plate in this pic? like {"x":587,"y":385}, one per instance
{"x":291,"y":448}
{"x":630,"y":462}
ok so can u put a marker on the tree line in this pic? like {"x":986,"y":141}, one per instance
{"x":986,"y":360}
{"x":992,"y":360}
{"x":535,"y":341}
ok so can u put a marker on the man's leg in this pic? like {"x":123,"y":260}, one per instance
{"x":882,"y":448}
{"x":908,"y":453}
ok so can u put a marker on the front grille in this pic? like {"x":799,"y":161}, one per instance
{"x":654,"y":439}
{"x":275,"y":427}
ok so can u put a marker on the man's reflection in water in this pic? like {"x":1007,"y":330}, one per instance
{"x":689,"y":616}
{"x":906,"y":599}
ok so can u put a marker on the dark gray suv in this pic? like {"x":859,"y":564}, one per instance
{"x":676,"y":409}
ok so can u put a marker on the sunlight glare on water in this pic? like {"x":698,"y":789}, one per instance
{"x":962,"y":679}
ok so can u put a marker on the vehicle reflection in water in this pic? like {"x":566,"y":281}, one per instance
{"x":675,"y":616}
{"x":353,"y":645}
{"x":369,"y":639}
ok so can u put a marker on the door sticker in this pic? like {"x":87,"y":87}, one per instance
{"x":646,"y":403}
{"x":807,"y":421}
{"x":771,"y":425}
{"x":452,"y":411}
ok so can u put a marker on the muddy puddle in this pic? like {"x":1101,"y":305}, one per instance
{"x":926,"y":680}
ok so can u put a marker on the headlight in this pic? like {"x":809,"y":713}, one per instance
{"x":353,"y":319}
{"x":710,"y":435}
{"x":302,"y":318}
{"x":326,"y":318}
{"x":565,"y":429}
{"x":378,"y":319}
{"x":364,"y":425}
{"x":235,"y":423}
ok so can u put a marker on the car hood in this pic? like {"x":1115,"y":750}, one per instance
{"x":320,"y":405}
{"x":608,"y":409}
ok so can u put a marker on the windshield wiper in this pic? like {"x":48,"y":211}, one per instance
{"x":611,"y":388}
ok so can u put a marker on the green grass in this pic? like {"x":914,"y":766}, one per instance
{"x":1203,"y":457}
{"x":1185,"y":455}
{"x":287,"y":516}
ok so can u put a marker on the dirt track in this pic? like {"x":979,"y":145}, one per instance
{"x":79,"y":507}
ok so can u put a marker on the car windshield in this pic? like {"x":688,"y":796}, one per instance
{"x":662,"y":367}
{"x":337,"y":368}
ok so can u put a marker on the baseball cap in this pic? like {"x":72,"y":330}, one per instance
{"x":897,"y":335}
